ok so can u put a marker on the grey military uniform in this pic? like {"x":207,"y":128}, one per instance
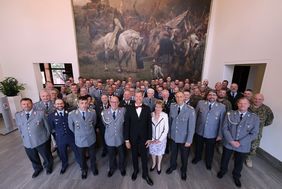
{"x":244,"y":131}
{"x":95,"y":93}
{"x":113,"y":127}
{"x":182,"y":125}
{"x":151,"y":102}
{"x":34,"y":131}
{"x":84,"y":130}
{"x":41,"y":106}
{"x":209,"y":122}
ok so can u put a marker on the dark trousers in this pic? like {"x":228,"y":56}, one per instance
{"x":104,"y":145}
{"x":239,"y":159}
{"x":83,"y":160}
{"x":63,"y":151}
{"x":209,"y":148}
{"x":135,"y":145}
{"x":112,"y":150}
{"x":44,"y":151}
{"x":184,"y":152}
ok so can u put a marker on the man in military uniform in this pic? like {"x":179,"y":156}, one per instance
{"x":222,"y":98}
{"x":266,"y":117}
{"x":71,"y":98}
{"x":182,"y":128}
{"x":150,"y":99}
{"x":101,"y":105}
{"x":210,"y":116}
{"x":240,"y":128}
{"x":35,"y":133}
{"x":45,"y":104}
{"x":113,"y":119}
{"x":58,"y":121}
{"x":82,"y":123}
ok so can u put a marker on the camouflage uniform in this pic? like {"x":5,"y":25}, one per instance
{"x":71,"y":100}
{"x":266,"y":117}
{"x":227,"y":103}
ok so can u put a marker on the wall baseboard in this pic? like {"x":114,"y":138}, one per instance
{"x":270,"y":159}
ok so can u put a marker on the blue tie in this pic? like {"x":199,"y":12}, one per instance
{"x":83,"y":115}
{"x":114,"y":115}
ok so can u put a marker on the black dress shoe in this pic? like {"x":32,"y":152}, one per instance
{"x":84,"y":174}
{"x":95,"y":172}
{"x":195,"y":161}
{"x":123,"y":173}
{"x":208,"y":167}
{"x":148,"y":180}
{"x":134,"y":175}
{"x":159,"y":171}
{"x":36,"y":173}
{"x":152,"y":168}
{"x":183,"y":176}
{"x":237,"y":182}
{"x":63,"y":170}
{"x":110,"y":173}
{"x":169,"y":170}
{"x":48,"y":171}
{"x":220,"y":174}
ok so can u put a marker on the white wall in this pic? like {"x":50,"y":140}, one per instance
{"x":35,"y":31}
{"x":249,"y":31}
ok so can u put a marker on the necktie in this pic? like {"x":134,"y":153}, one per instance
{"x":61,"y":114}
{"x":150,"y":101}
{"x":241,"y":116}
{"x":210,"y":106}
{"x":27,"y":116}
{"x":138,"y":106}
{"x":178,"y":111}
{"x":46,"y":105}
{"x":114,"y":115}
{"x":83,"y":115}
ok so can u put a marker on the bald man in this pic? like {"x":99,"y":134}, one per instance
{"x":266,"y":117}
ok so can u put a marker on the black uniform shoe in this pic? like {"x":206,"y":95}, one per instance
{"x":63,"y":170}
{"x":95,"y":172}
{"x":169,"y":170}
{"x":134,"y":175}
{"x":84,"y":174}
{"x":148,"y":180}
{"x":123,"y":173}
{"x":183,"y":176}
{"x":237,"y":182}
{"x":220,"y":174}
{"x":36,"y":173}
{"x":195,"y":161}
{"x":110,"y":173}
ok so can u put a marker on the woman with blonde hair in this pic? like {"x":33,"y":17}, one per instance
{"x":159,"y":135}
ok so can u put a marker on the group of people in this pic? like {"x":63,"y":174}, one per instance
{"x":158,"y":117}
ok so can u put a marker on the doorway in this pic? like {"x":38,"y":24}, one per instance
{"x":247,"y":76}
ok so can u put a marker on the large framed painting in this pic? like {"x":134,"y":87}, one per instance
{"x":144,"y":39}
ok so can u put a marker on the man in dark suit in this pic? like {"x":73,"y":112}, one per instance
{"x":126,"y":100}
{"x":234,"y":95}
{"x":138,"y":134}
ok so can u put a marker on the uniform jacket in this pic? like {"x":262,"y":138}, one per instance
{"x":244,"y":131}
{"x":114,"y":127}
{"x":34,"y":131}
{"x":182,"y":125}
{"x":209,"y":122}
{"x":84,"y":130}
{"x":60,"y":125}
{"x":40,"y":106}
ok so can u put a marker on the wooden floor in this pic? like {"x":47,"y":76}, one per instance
{"x":16,"y":171}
